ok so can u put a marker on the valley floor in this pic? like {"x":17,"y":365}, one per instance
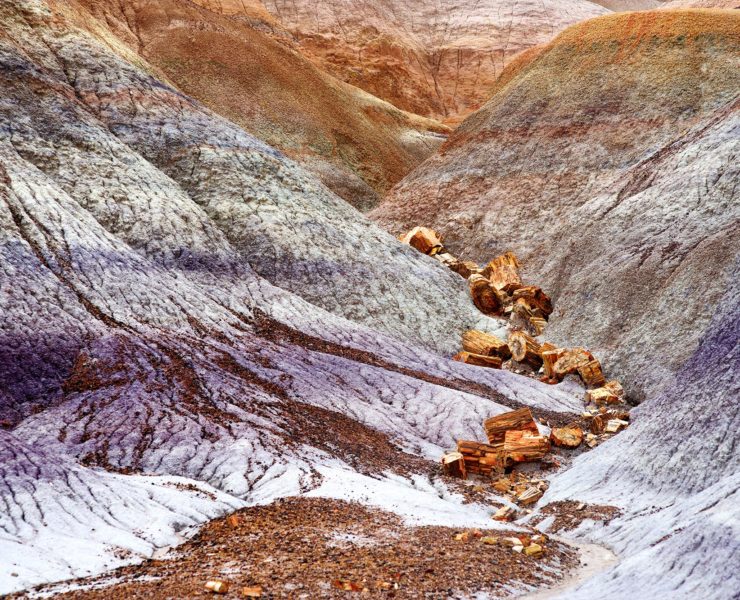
{"x":322,"y":548}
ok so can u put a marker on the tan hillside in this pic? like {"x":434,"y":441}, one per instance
{"x":358,"y":145}
{"x":434,"y":58}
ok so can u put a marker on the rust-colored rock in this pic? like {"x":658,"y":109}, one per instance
{"x":525,"y":349}
{"x":484,"y":295}
{"x":520,"y":420}
{"x":479,"y":342}
{"x":567,"y":437}
{"x":479,"y":360}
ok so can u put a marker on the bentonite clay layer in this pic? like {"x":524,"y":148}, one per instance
{"x":304,"y":548}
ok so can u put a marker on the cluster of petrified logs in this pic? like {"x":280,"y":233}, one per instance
{"x":513,"y":437}
{"x":497,"y":290}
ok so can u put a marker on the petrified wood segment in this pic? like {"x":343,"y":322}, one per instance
{"x":481,"y":459}
{"x":567,"y":437}
{"x":525,"y":349}
{"x":423,"y":239}
{"x":523,"y":446}
{"x":453,"y":464}
{"x":571,"y":360}
{"x":503,"y":270}
{"x":485,"y":297}
{"x":535,"y":297}
{"x":479,"y":360}
{"x":487,"y":344}
{"x":496,"y":427}
{"x":592,"y":374}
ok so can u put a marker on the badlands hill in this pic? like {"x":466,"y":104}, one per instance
{"x":606,"y":160}
{"x":236,"y":61}
{"x":433,"y":58}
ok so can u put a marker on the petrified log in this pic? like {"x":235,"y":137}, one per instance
{"x":485,"y":297}
{"x":535,"y":297}
{"x":570,"y":361}
{"x":481,"y":459}
{"x":503,"y":270}
{"x":447,"y":259}
{"x":538,"y":324}
{"x":567,"y":437}
{"x":525,"y":349}
{"x":521,"y":420}
{"x":591,"y":374}
{"x":424,"y":240}
{"x":529,"y":496}
{"x":550,"y":355}
{"x":615,"y":388}
{"x":479,"y":342}
{"x":602,"y":396}
{"x":217,"y":586}
{"x":479,"y":360}
{"x":522,"y":446}
{"x":453,"y":464}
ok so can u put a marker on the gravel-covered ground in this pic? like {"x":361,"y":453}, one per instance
{"x":312,"y":547}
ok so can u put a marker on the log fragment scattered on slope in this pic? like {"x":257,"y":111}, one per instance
{"x":567,"y":437}
{"x":550,"y":355}
{"x":485,"y":296}
{"x":523,"y":446}
{"x":520,"y":420}
{"x":570,"y":361}
{"x":535,"y":298}
{"x":424,"y":240}
{"x":592,"y":374}
{"x":453,"y":464}
{"x":479,"y":342}
{"x":481,"y":459}
{"x":479,"y":360}
{"x":525,"y":349}
{"x":503,"y":271}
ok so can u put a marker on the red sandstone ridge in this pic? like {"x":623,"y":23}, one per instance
{"x":234,"y":62}
{"x":605,"y":161}
{"x":437,"y":59}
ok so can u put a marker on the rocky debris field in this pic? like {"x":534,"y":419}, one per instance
{"x":319,"y":548}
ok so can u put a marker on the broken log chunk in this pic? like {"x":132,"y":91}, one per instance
{"x":503,"y":270}
{"x":217,"y":586}
{"x":522,"y":446}
{"x":602,"y":396}
{"x":447,"y":259}
{"x":538,"y":325}
{"x":529,"y":496}
{"x":614,"y":425}
{"x":496,"y":427}
{"x":533,"y":550}
{"x":570,"y":361}
{"x":525,"y":349}
{"x":535,"y":297}
{"x":615,"y":388}
{"x":524,"y":309}
{"x":485,"y":297}
{"x":592,"y":374}
{"x":550,"y":355}
{"x":567,"y":437}
{"x":464,"y":268}
{"x":479,"y":360}
{"x":453,"y":464}
{"x":479,"y":342}
{"x":424,"y":240}
{"x":479,"y":458}
{"x":505,"y":513}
